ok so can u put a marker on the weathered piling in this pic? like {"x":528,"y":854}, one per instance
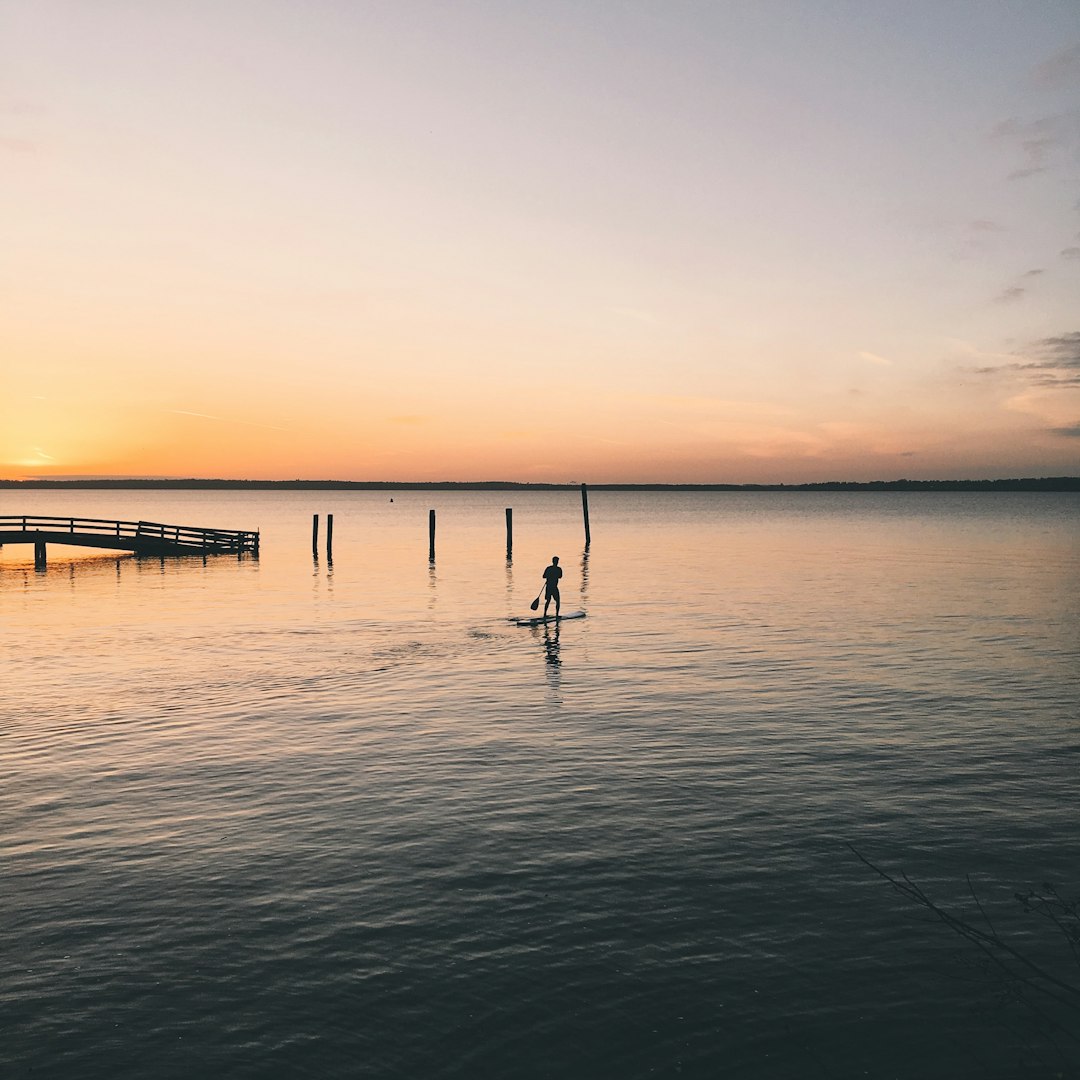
{"x":329,"y":536}
{"x":39,"y":555}
{"x":509,"y":532}
{"x":315,"y":535}
{"x":585,"y":514}
{"x":431,"y":535}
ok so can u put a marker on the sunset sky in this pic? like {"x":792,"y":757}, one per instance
{"x":730,"y":241}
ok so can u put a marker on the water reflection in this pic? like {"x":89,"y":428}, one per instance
{"x":552,"y":659}
{"x":551,"y":644}
{"x":584,"y":576}
{"x":318,"y":578}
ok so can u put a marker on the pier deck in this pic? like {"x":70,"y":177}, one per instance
{"x":141,"y":537}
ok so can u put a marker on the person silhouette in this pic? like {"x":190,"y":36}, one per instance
{"x":551,"y":585}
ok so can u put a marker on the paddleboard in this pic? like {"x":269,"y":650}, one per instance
{"x":537,"y":619}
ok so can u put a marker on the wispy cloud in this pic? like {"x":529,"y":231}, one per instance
{"x":873,"y":358}
{"x":639,"y":315}
{"x":1017,"y":292}
{"x":41,"y":453}
{"x":224,"y":420}
{"x":1070,"y":253}
{"x":1053,"y":362}
{"x":14,"y":145}
{"x":1010,"y":295}
{"x":1042,"y":141}
{"x":970,"y":349}
{"x":709,"y":405}
{"x":1072,"y":431}
{"x":1060,"y":69}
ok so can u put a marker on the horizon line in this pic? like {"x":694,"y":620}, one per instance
{"x":1045,"y":483}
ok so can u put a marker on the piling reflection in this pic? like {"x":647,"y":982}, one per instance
{"x":318,"y":578}
{"x":585,"y":575}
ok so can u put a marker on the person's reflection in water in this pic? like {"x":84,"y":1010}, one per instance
{"x":551,"y":644}
{"x":551,"y":655}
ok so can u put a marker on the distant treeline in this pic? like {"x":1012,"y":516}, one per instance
{"x":1045,"y":483}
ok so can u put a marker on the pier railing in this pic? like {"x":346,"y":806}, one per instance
{"x":149,"y":536}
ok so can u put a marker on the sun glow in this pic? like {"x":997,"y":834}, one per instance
{"x":363,"y":263}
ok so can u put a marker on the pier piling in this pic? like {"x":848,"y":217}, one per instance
{"x":315,"y":535}
{"x":431,"y":535}
{"x":509,"y":532}
{"x":330,"y":536}
{"x":585,"y":514}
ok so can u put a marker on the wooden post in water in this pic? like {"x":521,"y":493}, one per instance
{"x":39,"y":555}
{"x":585,"y":512}
{"x":509,"y":532}
{"x":315,"y":535}
{"x":329,"y":536}
{"x":431,"y":535}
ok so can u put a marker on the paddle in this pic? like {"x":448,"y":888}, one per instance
{"x":536,"y":603}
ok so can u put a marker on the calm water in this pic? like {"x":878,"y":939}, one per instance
{"x":279,"y":818}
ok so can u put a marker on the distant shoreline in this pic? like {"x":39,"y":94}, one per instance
{"x":1049,"y":483}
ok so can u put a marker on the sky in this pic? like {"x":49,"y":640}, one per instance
{"x":657,"y":241}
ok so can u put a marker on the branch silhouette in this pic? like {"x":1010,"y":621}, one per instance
{"x":1053,"y":998}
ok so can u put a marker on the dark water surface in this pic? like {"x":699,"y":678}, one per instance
{"x":279,"y":818}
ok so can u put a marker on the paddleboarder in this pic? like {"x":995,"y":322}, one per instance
{"x":551,"y":585}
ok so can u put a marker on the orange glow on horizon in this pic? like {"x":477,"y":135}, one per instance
{"x":360,"y":258}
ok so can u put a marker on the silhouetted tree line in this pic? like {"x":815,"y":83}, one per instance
{"x":1046,"y":483}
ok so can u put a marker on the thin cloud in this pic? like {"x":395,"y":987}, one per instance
{"x":1033,"y":273}
{"x":694,"y":404}
{"x":985,"y":225}
{"x":1070,"y":253}
{"x":41,"y":453}
{"x":224,"y":420}
{"x":19,"y":107}
{"x":13,"y":145}
{"x":969,"y":351}
{"x":640,"y":315}
{"x":1041,"y":141}
{"x":1054,"y":363}
{"x":873,"y":358}
{"x":1065,"y":348}
{"x":1010,"y":295}
{"x":1070,"y":432}
{"x":1060,"y":69}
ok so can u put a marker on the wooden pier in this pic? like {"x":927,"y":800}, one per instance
{"x":141,"y":537}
